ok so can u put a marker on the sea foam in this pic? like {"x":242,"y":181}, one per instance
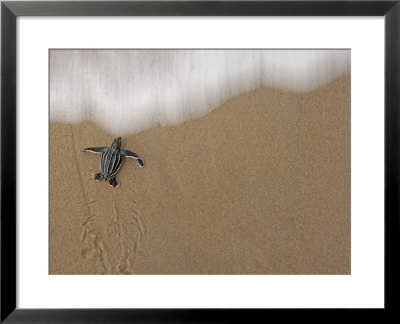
{"x":127,"y":91}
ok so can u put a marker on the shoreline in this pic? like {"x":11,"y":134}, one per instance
{"x":132,"y":90}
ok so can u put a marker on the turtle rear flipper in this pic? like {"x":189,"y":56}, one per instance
{"x":113,"y":182}
{"x":98,"y":176}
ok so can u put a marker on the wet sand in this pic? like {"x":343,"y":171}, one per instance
{"x":261,"y":185}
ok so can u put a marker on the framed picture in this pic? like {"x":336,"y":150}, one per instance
{"x":197,"y":161}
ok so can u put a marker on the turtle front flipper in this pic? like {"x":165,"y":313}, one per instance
{"x":100,"y":149}
{"x":130,"y":154}
{"x":113,"y":182}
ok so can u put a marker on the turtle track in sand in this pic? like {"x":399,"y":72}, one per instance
{"x":94,"y":247}
{"x":112,"y":230}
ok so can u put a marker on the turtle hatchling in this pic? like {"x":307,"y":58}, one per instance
{"x":111,"y":160}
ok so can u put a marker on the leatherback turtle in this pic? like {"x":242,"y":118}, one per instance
{"x":111,"y":160}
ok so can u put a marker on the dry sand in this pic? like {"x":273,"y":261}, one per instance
{"x":261,"y":185}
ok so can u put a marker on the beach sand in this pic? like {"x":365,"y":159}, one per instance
{"x":260,"y":185}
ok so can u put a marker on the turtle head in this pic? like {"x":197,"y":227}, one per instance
{"x":117,"y":143}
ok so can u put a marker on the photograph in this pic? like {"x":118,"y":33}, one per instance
{"x":200,"y":161}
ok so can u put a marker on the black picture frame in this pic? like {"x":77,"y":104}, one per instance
{"x":9,"y":13}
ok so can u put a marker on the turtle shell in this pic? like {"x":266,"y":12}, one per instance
{"x":110,"y":162}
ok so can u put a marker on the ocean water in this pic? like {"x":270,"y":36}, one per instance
{"x":127,"y":91}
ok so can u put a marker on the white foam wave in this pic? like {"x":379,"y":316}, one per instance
{"x":126,"y":91}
